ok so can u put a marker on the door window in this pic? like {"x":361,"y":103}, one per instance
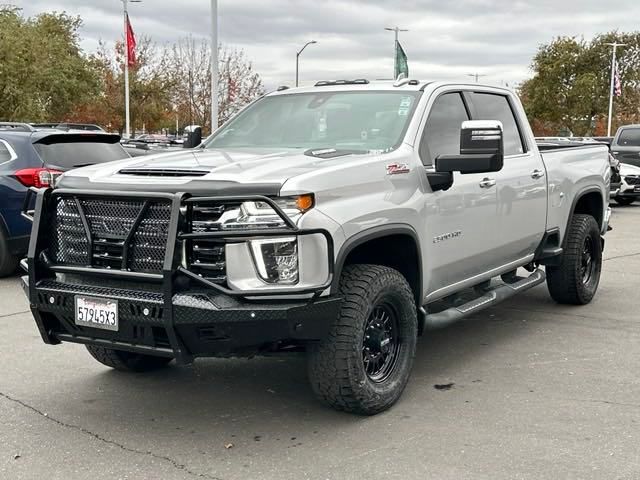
{"x":489,"y":106}
{"x":442,"y":132}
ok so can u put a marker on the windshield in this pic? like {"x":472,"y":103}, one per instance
{"x":629,"y":137}
{"x":360,"y":121}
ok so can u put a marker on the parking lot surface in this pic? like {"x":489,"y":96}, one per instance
{"x":537,"y":391}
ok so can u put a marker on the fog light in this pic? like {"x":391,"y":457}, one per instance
{"x":276,"y":259}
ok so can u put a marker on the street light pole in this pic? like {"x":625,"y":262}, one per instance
{"x":298,"y":59}
{"x":615,"y":46}
{"x":127,"y":114}
{"x":476,"y":75}
{"x":396,"y":30}
{"x":214,"y":65}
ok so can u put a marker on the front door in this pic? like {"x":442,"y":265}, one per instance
{"x":461,"y":238}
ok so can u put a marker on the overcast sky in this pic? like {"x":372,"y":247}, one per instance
{"x":446,"y":39}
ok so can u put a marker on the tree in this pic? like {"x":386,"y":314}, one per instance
{"x":191,"y":69}
{"x":43,"y":73}
{"x":570,"y":86}
{"x":150,"y":84}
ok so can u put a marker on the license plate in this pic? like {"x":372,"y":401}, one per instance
{"x":97,"y":313}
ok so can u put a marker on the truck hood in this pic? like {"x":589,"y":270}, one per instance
{"x":223,"y":171}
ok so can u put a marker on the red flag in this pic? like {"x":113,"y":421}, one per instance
{"x":131,"y":44}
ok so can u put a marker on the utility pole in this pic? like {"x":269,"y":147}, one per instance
{"x":312,"y":42}
{"x":397,"y":31}
{"x":615,"y":46}
{"x":476,"y":75}
{"x":127,"y":113}
{"x":214,"y":65}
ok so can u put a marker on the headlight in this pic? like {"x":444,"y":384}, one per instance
{"x":261,"y":215}
{"x":276,"y":259}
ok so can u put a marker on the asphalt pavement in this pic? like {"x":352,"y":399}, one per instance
{"x":532,"y":390}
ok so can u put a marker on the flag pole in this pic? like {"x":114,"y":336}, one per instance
{"x":615,"y":46}
{"x":127,"y":131}
{"x":214,"y":65}
{"x":396,"y":30}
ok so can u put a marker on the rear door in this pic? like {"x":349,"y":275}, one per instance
{"x":66,"y":151}
{"x":521,"y":185}
{"x":626,"y":146}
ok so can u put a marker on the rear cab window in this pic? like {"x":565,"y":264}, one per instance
{"x":65,"y":152}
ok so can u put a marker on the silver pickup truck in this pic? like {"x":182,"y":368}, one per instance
{"x":343,"y":220}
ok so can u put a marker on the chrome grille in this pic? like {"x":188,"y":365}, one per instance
{"x":124,"y":234}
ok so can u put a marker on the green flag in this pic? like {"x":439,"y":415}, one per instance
{"x":402,"y":66}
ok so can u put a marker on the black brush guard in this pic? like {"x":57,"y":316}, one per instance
{"x":42,"y":288}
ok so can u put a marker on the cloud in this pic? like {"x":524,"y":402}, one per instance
{"x":446,"y":40}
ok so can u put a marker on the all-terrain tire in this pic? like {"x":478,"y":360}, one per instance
{"x":8,"y":262}
{"x":127,"y":361}
{"x":574,"y":281}
{"x":624,"y":200}
{"x":337,"y":365}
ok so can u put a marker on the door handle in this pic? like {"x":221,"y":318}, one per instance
{"x":536,"y":174}
{"x":487,"y":183}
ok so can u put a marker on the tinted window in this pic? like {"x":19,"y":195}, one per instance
{"x":442,"y":132}
{"x":77,"y":154}
{"x":496,"y":107}
{"x":629,"y":137}
{"x":5,"y":154}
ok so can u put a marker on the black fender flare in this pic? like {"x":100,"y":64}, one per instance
{"x":372,"y":234}
{"x":576,"y":199}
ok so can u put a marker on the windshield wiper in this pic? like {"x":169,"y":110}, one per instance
{"x":332,"y":152}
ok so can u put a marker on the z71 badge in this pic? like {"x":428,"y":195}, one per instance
{"x":397,"y":168}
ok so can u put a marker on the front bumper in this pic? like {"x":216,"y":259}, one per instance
{"x":174,"y":312}
{"x":204,"y":323}
{"x":629,"y":192}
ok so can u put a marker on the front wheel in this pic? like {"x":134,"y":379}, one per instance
{"x":576,"y":279}
{"x":127,"y":361}
{"x":624,"y":200}
{"x":365,"y":363}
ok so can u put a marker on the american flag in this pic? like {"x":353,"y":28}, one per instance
{"x":617,"y":84}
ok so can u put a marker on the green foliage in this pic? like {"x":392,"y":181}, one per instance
{"x":570,"y":86}
{"x":43,"y":73}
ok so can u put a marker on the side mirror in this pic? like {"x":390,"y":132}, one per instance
{"x":194,"y":137}
{"x":481,"y":149}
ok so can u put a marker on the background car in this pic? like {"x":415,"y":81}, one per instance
{"x":630,"y":185}
{"x":626,"y":145}
{"x":33,"y":157}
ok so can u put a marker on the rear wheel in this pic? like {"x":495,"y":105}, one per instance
{"x":8,"y":262}
{"x":365,"y":363}
{"x":127,"y":361}
{"x":576,"y":279}
{"x":624,"y":200}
